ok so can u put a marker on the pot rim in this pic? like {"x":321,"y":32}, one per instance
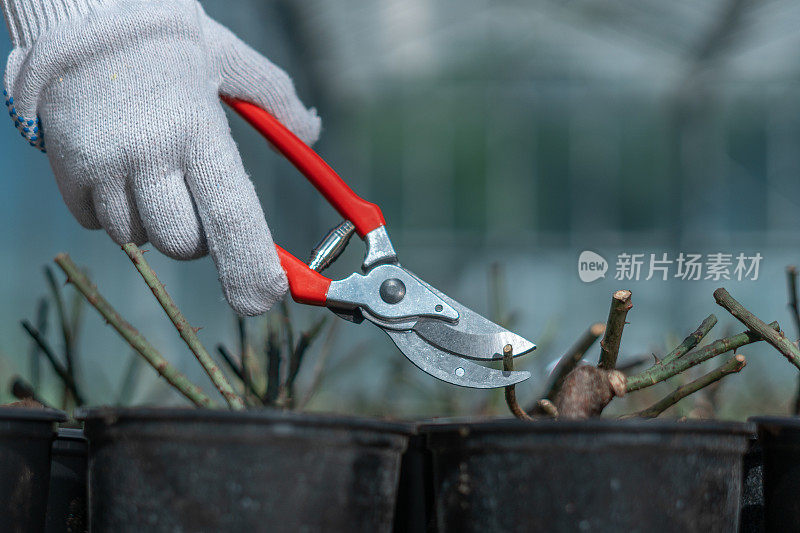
{"x":113,"y":415}
{"x":599,"y":425}
{"x":32,"y":415}
{"x":775,"y":420}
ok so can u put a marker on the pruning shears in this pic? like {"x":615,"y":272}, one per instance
{"x":436,"y":333}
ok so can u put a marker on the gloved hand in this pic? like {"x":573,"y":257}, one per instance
{"x":125,"y":94}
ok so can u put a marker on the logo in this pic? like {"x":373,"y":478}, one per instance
{"x":591,"y":266}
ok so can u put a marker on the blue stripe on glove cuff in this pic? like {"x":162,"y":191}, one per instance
{"x":34,"y":137}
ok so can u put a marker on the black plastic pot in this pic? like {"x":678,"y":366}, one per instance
{"x":597,"y":475}
{"x":752,"y":513}
{"x":415,"y":498}
{"x":66,"y":504}
{"x":780,"y":441}
{"x":25,"y":439}
{"x":202,"y":470}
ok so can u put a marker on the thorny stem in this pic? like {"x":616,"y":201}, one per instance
{"x":284,"y":393}
{"x":571,"y":359}
{"x":62,"y":372}
{"x":791,"y":275}
{"x":660,"y":371}
{"x":775,"y":338}
{"x":66,"y":331}
{"x":733,"y":365}
{"x":296,"y":358}
{"x":273,"y":350}
{"x":187,"y":332}
{"x":231,"y":362}
{"x":511,"y":394}
{"x":236,"y":368}
{"x":322,"y":359}
{"x":287,"y":325}
{"x":76,"y":316}
{"x":692,"y":340}
{"x":245,"y":355}
{"x":175,"y":378}
{"x":41,"y":326}
{"x":129,"y":379}
{"x":609,"y":346}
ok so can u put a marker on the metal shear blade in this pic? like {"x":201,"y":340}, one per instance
{"x":450,"y":368}
{"x":473,"y":336}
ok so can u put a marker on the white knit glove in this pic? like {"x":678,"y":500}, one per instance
{"x":125,"y":93}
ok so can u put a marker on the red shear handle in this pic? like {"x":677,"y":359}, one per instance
{"x":364,"y":215}
{"x":307,"y":286}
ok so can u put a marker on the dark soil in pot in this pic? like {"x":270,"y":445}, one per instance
{"x":596,"y":475}
{"x":201,"y":470}
{"x":780,"y":441}
{"x":66,"y":505}
{"x":25,"y":439}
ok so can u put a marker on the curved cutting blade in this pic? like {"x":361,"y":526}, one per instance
{"x":473,"y":336}
{"x":451,"y":368}
{"x":480,"y":346}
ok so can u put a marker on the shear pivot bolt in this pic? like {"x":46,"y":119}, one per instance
{"x":393,"y":291}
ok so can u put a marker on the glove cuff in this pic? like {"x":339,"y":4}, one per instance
{"x":27,"y":19}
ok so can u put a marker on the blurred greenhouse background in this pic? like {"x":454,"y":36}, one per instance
{"x":517,"y":133}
